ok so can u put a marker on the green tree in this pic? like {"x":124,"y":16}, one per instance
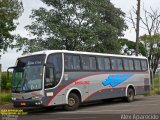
{"x":129,"y":47}
{"x":86,"y":25}
{"x":10,"y":10}
{"x":152,"y":43}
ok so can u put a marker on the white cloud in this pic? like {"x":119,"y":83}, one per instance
{"x":8,"y":59}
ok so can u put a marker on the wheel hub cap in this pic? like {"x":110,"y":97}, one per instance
{"x":71,"y":101}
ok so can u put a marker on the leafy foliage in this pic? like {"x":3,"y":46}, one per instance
{"x":86,"y":25}
{"x":129,"y":47}
{"x":152,"y":43}
{"x":10,"y":10}
{"x":6,"y":82}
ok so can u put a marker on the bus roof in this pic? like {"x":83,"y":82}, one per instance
{"x":47,"y":52}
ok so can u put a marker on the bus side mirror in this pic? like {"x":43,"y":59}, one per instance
{"x":8,"y":71}
{"x":7,"y":74}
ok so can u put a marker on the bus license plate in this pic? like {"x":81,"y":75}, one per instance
{"x":23,"y":104}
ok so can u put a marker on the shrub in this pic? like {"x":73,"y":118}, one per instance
{"x":5,"y":96}
{"x":6,"y":82}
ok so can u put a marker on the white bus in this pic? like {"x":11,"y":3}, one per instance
{"x":68,"y":78}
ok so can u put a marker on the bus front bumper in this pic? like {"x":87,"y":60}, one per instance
{"x":27,"y":103}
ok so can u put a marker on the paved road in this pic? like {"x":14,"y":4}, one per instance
{"x":100,"y":110}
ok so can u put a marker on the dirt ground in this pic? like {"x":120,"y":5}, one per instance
{"x":6,"y":106}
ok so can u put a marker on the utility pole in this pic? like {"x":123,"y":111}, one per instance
{"x":137,"y":26}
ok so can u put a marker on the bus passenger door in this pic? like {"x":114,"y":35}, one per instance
{"x":53,"y":72}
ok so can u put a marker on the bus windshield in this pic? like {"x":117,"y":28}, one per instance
{"x":28,"y":74}
{"x":28,"y":78}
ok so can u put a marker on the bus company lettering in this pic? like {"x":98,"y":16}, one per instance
{"x":82,"y":82}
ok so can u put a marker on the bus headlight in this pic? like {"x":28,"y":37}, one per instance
{"x":13,"y":98}
{"x":38,"y":103}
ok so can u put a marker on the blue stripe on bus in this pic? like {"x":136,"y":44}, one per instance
{"x":116,"y":79}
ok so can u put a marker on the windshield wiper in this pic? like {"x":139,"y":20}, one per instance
{"x":24,"y":83}
{"x":15,"y":90}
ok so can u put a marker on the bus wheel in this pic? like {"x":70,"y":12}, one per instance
{"x":130,"y":95}
{"x":73,"y":102}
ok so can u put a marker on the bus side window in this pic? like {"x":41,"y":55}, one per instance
{"x":76,"y":62}
{"x":72,"y":62}
{"x":107,"y":64}
{"x":92,"y":62}
{"x":144,"y":65}
{"x":100,"y":63}
{"x":128,"y":64}
{"x":89,"y":63}
{"x":68,"y":62}
{"x":131,"y":65}
{"x":49,"y":78}
{"x":117,"y":64}
{"x":103,"y":63}
{"x":85,"y":62}
{"x":54,"y":72}
{"x":137,"y":64}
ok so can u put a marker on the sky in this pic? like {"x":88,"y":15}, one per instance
{"x":9,"y":58}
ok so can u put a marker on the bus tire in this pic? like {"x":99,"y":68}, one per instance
{"x":130,"y":95}
{"x":73,"y":102}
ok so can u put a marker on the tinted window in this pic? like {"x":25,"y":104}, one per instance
{"x":53,"y":70}
{"x":144,"y":64}
{"x":88,"y":63}
{"x":117,"y":64}
{"x":103,"y":63}
{"x":68,"y":62}
{"x":131,"y":65}
{"x":92,"y":63}
{"x":72,"y":62}
{"x":85,"y":62}
{"x":76,"y":63}
{"x":137,"y":64}
{"x":128,"y":64}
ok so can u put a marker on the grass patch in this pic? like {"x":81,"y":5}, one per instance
{"x":5,"y":96}
{"x":155,"y":88}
